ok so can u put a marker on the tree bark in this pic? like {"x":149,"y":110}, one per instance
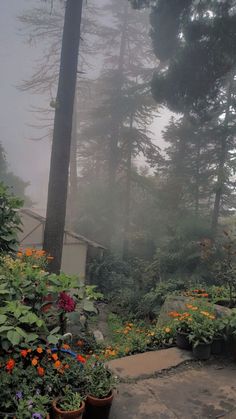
{"x":128,"y":195}
{"x":112,"y":169}
{"x":61,"y":145}
{"x":221,"y":167}
{"x":73,"y":177}
{"x":197,"y":175}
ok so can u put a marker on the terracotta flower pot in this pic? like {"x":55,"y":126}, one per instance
{"x":73,"y":414}
{"x":182,"y":341}
{"x":98,"y":408}
{"x":202,"y":351}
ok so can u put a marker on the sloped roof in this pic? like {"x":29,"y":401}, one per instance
{"x":76,"y":236}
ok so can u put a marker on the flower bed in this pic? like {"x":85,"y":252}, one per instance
{"x":35,"y":366}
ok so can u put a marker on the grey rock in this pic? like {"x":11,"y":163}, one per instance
{"x":98,"y":336}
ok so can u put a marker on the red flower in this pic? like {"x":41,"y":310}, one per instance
{"x":24,"y":353}
{"x":66,"y":302}
{"x":41,"y":371}
{"x":81,"y":359}
{"x":10,"y":365}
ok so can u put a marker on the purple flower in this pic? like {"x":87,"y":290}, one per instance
{"x":37,"y":416}
{"x":19,"y":395}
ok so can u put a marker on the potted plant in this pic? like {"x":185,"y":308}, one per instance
{"x":183,"y":321}
{"x":219,"y":337}
{"x":231,"y":333}
{"x":33,"y":406}
{"x":100,"y":385}
{"x":69,"y":406}
{"x":201,"y":334}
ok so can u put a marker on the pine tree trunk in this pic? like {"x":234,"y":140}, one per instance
{"x":113,"y":157}
{"x":221,"y":167}
{"x":73,"y":177}
{"x":128,"y":196}
{"x":197,"y":178}
{"x":61,"y":145}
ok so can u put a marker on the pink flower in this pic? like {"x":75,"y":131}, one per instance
{"x":66,"y":302}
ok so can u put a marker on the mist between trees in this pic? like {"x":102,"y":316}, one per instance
{"x":137,"y":59}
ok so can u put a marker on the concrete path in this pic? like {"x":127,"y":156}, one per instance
{"x":193,"y":393}
{"x":190,"y":390}
{"x":149,"y":363}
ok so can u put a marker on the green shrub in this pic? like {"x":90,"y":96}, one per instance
{"x":9,"y":220}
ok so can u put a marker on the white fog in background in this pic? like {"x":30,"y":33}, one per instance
{"x":27,"y":158}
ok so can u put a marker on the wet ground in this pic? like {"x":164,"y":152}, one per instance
{"x":192,"y":391}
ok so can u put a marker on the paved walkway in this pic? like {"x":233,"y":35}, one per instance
{"x":149,"y":363}
{"x":190,"y":390}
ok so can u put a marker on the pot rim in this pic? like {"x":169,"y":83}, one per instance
{"x":203,"y":344}
{"x":58,"y":410}
{"x":108,"y":398}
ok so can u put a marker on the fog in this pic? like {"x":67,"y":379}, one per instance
{"x":144,"y":114}
{"x":27,"y":158}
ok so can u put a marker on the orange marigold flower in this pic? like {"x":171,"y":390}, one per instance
{"x":39,"y":350}
{"x":40,"y":371}
{"x":66,"y":346}
{"x":57,"y":364}
{"x":28,"y":252}
{"x":174,"y":314}
{"x":19,"y":254}
{"x":67,"y":367}
{"x":34,"y":362}
{"x":10,"y":364}
{"x":24,"y":353}
{"x":40,"y":253}
{"x":55,"y":357}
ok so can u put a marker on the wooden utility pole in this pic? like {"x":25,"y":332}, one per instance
{"x":61,"y":145}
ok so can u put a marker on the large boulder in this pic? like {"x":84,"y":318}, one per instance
{"x":178,"y":303}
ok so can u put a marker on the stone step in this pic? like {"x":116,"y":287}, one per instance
{"x":149,"y":363}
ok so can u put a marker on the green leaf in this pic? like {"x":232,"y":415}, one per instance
{"x":52,"y":339}
{"x":14,"y":337}
{"x":3,"y":318}
{"x":31,"y":337}
{"x":21,"y":332}
{"x":5,"y":328}
{"x":89,"y":306}
{"x":55,"y":330}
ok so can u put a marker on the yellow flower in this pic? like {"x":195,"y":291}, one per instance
{"x":167,"y":330}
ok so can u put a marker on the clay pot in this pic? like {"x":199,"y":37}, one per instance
{"x":98,"y":408}
{"x":73,"y":414}
{"x":202,"y":351}
{"x":182,"y":341}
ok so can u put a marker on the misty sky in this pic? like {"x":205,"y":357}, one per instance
{"x":28,"y":159}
